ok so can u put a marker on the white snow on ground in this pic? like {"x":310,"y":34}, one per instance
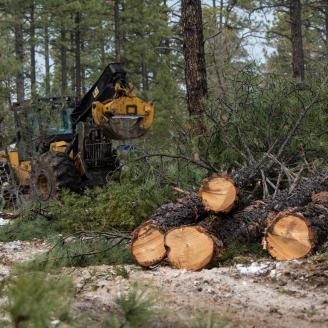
{"x":2,"y":221}
{"x":255,"y":268}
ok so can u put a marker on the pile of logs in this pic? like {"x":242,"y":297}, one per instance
{"x":193,"y":231}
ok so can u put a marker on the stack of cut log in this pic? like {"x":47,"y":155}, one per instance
{"x":193,"y":231}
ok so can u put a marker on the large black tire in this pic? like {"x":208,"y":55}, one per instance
{"x":51,"y":172}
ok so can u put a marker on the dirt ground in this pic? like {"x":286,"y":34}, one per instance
{"x":259,"y":294}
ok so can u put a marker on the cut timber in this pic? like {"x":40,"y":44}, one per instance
{"x":219,"y":194}
{"x":295,"y":233}
{"x":190,"y":248}
{"x":147,"y":246}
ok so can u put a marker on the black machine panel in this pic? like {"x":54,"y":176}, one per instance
{"x":102,"y":90}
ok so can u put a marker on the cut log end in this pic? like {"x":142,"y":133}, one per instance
{"x":219,"y":194}
{"x":289,"y":237}
{"x":147,"y":246}
{"x":190,"y":248}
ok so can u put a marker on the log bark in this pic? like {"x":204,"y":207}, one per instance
{"x":296,"y":233}
{"x":246,"y":225}
{"x":147,"y":246}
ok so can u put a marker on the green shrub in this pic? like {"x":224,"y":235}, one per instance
{"x":118,"y":205}
{"x":34,"y":300}
{"x":136,"y":310}
{"x":27,"y":228}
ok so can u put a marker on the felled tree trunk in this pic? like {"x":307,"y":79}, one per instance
{"x":296,"y":233}
{"x":147,"y":246}
{"x":243,"y":226}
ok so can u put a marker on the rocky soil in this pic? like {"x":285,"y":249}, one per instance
{"x":259,"y":294}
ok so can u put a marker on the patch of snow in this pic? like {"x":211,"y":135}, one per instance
{"x":3,"y":221}
{"x":255,"y":268}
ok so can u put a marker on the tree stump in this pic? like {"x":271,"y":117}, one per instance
{"x":296,"y":233}
{"x":219,"y":194}
{"x":147,"y":246}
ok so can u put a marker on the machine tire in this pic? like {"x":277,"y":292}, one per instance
{"x":51,"y":172}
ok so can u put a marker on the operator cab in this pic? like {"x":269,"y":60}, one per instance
{"x":41,"y":122}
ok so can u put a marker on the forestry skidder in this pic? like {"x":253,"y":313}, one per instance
{"x":63,"y":145}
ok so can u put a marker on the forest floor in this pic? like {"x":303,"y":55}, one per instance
{"x":258,"y":294}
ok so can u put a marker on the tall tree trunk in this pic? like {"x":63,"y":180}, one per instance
{"x":78,"y":56}
{"x":117,"y":31}
{"x":326,"y":28}
{"x":72,"y":62}
{"x":83,"y":72}
{"x":32,"y":49}
{"x":221,"y":15}
{"x":63,"y":61}
{"x":47,"y":58}
{"x":19,"y":50}
{"x":214,"y":9}
{"x":194,"y":54}
{"x":297,"y":40}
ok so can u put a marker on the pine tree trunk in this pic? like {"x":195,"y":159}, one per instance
{"x":214,"y":15}
{"x":72,"y":62}
{"x":32,"y":50}
{"x":117,"y":31}
{"x":297,"y":40}
{"x":78,"y":83}
{"x":221,"y":15}
{"x":47,"y":58}
{"x":194,"y":55}
{"x":19,"y":50}
{"x":63,"y":61}
{"x":326,"y":29}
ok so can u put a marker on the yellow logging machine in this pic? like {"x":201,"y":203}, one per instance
{"x":63,"y":145}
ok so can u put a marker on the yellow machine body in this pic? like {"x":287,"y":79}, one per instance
{"x":21,"y":169}
{"x":124,"y":117}
{"x":60,"y":147}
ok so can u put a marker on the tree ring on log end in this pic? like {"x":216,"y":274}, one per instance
{"x":219,"y":194}
{"x":147,"y":246}
{"x":289,"y":237}
{"x":190,"y":248}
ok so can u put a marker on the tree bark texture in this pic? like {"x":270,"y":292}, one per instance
{"x":297,"y":40}
{"x":188,"y":210}
{"x":63,"y":61}
{"x":117,"y":31}
{"x":194,"y":54}
{"x":78,"y":84}
{"x":47,"y":58}
{"x":19,"y":50}
{"x":32,"y":50}
{"x":248,"y":224}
